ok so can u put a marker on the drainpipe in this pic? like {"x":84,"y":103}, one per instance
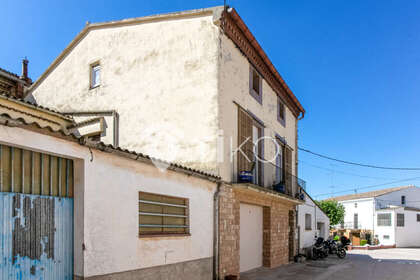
{"x":216,"y":244}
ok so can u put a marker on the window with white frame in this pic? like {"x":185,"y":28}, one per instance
{"x":384,"y":219}
{"x":95,"y":75}
{"x":308,"y":222}
{"x":163,"y":215}
{"x":400,"y":220}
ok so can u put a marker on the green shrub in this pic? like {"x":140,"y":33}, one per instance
{"x":363,"y":242}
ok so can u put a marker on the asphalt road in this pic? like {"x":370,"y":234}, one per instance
{"x":385,"y":264}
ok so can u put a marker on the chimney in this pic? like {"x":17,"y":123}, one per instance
{"x":24,"y":75}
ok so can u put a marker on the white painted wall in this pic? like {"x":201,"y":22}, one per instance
{"x":364,"y":209}
{"x":408,"y":236}
{"x":159,"y":75}
{"x":106,"y":208}
{"x":381,"y":231}
{"x":307,"y":237}
{"x":412,"y":197}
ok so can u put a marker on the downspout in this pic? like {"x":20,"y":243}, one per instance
{"x":216,"y":244}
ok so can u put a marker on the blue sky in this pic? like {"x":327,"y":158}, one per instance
{"x":354,"y":66}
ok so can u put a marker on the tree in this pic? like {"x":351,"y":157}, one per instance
{"x":334,"y":211}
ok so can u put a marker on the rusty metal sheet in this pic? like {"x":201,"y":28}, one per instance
{"x":36,"y":237}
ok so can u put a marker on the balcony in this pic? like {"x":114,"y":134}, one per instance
{"x":271,"y":177}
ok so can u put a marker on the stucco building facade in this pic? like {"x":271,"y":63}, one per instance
{"x":195,"y":88}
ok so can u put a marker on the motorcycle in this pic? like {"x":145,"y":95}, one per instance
{"x":320,"y":249}
{"x":339,"y":248}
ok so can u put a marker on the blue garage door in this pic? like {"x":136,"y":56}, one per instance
{"x":36,"y":215}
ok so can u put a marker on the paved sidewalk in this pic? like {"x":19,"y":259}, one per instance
{"x":386,"y":264}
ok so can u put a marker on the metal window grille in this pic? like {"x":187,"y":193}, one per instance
{"x":162,"y":215}
{"x":384,"y":220}
{"x":400,"y":220}
{"x":28,"y":172}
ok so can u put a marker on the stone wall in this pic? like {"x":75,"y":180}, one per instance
{"x":275,"y":223}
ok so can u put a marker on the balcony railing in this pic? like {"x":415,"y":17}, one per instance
{"x":349,"y":225}
{"x":272,"y":177}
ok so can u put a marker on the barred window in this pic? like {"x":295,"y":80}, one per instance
{"x":384,"y":220}
{"x":400,"y":220}
{"x":163,"y":215}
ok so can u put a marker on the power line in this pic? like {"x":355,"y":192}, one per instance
{"x":368,"y":187}
{"x":345,"y":173}
{"x":359,"y":164}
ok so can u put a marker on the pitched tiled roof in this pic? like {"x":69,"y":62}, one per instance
{"x":10,"y":73}
{"x":368,"y":194}
{"x":33,"y":105}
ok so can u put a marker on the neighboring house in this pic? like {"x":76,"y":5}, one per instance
{"x":192,"y":87}
{"x":364,"y":209}
{"x":71,"y":208}
{"x":312,"y":223}
{"x":12,"y":84}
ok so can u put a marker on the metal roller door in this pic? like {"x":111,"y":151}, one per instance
{"x":36,"y":215}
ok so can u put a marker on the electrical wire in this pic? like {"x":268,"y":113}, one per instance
{"x":360,"y":164}
{"x":368,"y":187}
{"x":345,"y":173}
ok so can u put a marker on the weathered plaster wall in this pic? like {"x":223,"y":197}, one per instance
{"x":161,"y":77}
{"x":234,"y":87}
{"x":106,"y":208}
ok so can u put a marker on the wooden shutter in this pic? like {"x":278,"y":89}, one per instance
{"x":244,"y":132}
{"x":288,"y":169}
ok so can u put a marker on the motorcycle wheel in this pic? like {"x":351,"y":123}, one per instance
{"x":341,"y":253}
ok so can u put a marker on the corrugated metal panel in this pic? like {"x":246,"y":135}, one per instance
{"x":23,"y":171}
{"x":36,"y":237}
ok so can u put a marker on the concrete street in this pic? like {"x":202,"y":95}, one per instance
{"x":386,"y":264}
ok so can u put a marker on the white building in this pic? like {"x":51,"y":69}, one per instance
{"x":377,"y":211}
{"x":312,"y":223}
{"x":191,"y":87}
{"x":109,"y":213}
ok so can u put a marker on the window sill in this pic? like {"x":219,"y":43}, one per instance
{"x":281,"y":121}
{"x":257,"y":97}
{"x":164,"y":235}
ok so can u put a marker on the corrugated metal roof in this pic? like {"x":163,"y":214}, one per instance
{"x":368,"y":194}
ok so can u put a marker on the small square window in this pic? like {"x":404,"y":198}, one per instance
{"x":255,"y":84}
{"x":386,"y":237}
{"x":95,"y":75}
{"x":418,"y":217}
